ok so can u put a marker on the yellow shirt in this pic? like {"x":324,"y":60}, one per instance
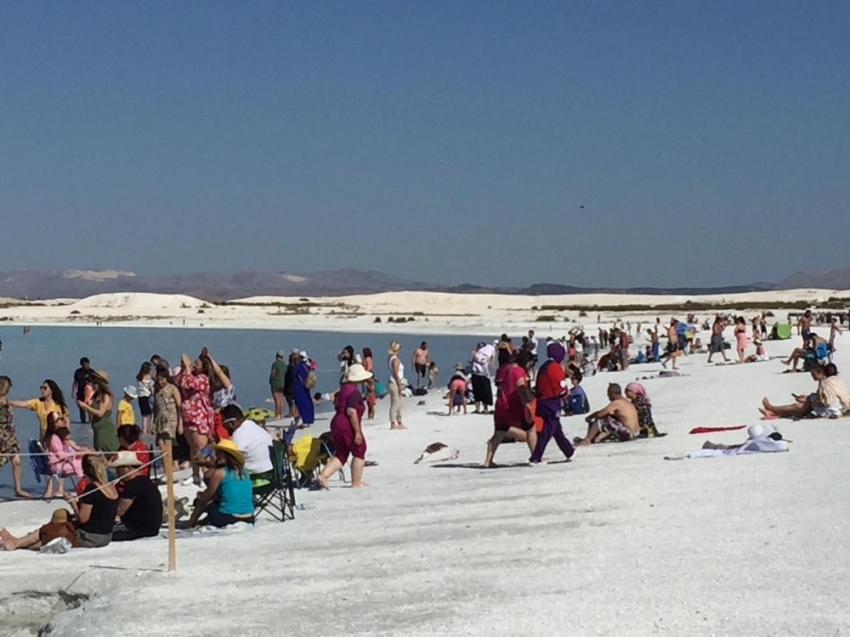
{"x":126,"y":414}
{"x":39,"y":407}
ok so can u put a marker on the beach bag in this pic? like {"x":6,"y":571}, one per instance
{"x":310,"y":381}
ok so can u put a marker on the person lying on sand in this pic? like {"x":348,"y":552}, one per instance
{"x":617,"y":420}
{"x":761,"y":439}
{"x":831,"y":400}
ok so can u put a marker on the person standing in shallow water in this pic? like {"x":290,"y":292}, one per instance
{"x":78,"y":387}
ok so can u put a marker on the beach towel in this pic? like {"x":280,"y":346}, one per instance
{"x":710,"y":430}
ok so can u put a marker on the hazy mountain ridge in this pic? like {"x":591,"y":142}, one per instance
{"x":50,"y":284}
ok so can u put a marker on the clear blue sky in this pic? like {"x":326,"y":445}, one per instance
{"x":440,"y":141}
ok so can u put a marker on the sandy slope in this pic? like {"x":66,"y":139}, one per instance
{"x":619,"y":542}
{"x":432,"y":313}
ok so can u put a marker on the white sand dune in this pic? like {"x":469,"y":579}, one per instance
{"x":422,"y":312}
{"x":618,"y":542}
{"x":139,"y":302}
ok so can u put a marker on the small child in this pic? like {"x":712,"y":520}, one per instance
{"x":126,"y":413}
{"x":577,"y":402}
{"x":432,"y":374}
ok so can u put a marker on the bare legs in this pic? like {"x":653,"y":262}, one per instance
{"x":452,"y":395}
{"x":16,"y":478}
{"x":12,"y":543}
{"x":795,"y":410}
{"x":529,"y":437}
{"x":197,"y":442}
{"x":795,"y":357}
{"x":333,"y":465}
{"x":278,"y":404}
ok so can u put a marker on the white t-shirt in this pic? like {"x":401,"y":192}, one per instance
{"x":254,"y":442}
{"x":533,"y":345}
{"x":481,"y":360}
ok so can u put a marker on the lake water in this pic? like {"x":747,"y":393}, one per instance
{"x":54,"y":352}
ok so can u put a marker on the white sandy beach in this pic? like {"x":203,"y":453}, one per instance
{"x":618,"y":542}
{"x":433,"y":313}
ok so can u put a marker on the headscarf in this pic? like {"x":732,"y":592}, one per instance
{"x":556,"y":352}
{"x":640,"y":390}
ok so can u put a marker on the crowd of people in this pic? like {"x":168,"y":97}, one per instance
{"x":194,"y":406}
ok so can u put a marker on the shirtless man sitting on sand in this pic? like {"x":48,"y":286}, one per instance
{"x":618,"y":419}
{"x":799,"y":353}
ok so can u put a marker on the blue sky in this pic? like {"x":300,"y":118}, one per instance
{"x":439,"y":141}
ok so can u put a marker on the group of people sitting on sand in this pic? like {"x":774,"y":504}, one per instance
{"x":128,"y":507}
{"x":531,"y":413}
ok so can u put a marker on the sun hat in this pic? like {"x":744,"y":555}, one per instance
{"x":303,"y":354}
{"x":280,"y":354}
{"x":126,"y":459}
{"x":100,"y":375}
{"x":131,"y":391}
{"x":459,"y":367}
{"x":395,"y":347}
{"x":357,"y":374}
{"x":229,"y":447}
{"x":59,"y":516}
{"x":758,"y":430}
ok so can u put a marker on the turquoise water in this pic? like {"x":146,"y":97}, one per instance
{"x":54,"y":352}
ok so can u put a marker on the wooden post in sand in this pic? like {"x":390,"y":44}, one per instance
{"x":172,"y":530}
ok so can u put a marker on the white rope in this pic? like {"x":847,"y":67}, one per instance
{"x":76,"y":453}
{"x":117,"y":480}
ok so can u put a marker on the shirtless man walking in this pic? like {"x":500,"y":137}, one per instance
{"x":618,"y":419}
{"x":421,"y":359}
{"x":805,"y":327}
{"x":673,"y":347}
{"x":717,"y":344}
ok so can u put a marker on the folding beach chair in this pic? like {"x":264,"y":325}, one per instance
{"x":309,"y":456}
{"x":275,"y":494}
{"x":39,"y":463}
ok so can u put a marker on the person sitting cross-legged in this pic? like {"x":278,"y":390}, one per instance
{"x":229,"y":496}
{"x":139,"y":501}
{"x":617,"y":420}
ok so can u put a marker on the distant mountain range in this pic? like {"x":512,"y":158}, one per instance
{"x":51,"y":284}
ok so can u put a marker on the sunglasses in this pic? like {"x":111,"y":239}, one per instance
{"x":44,"y":388}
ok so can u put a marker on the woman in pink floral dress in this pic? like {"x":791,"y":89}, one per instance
{"x":196,"y":410}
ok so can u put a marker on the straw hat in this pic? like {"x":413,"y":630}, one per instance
{"x":60,"y":516}
{"x":131,"y":391}
{"x":357,"y":374}
{"x":229,"y":447}
{"x":395,"y":347}
{"x":100,"y":376}
{"x":125,"y":459}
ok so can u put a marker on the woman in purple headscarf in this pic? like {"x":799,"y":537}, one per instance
{"x":551,"y":391}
